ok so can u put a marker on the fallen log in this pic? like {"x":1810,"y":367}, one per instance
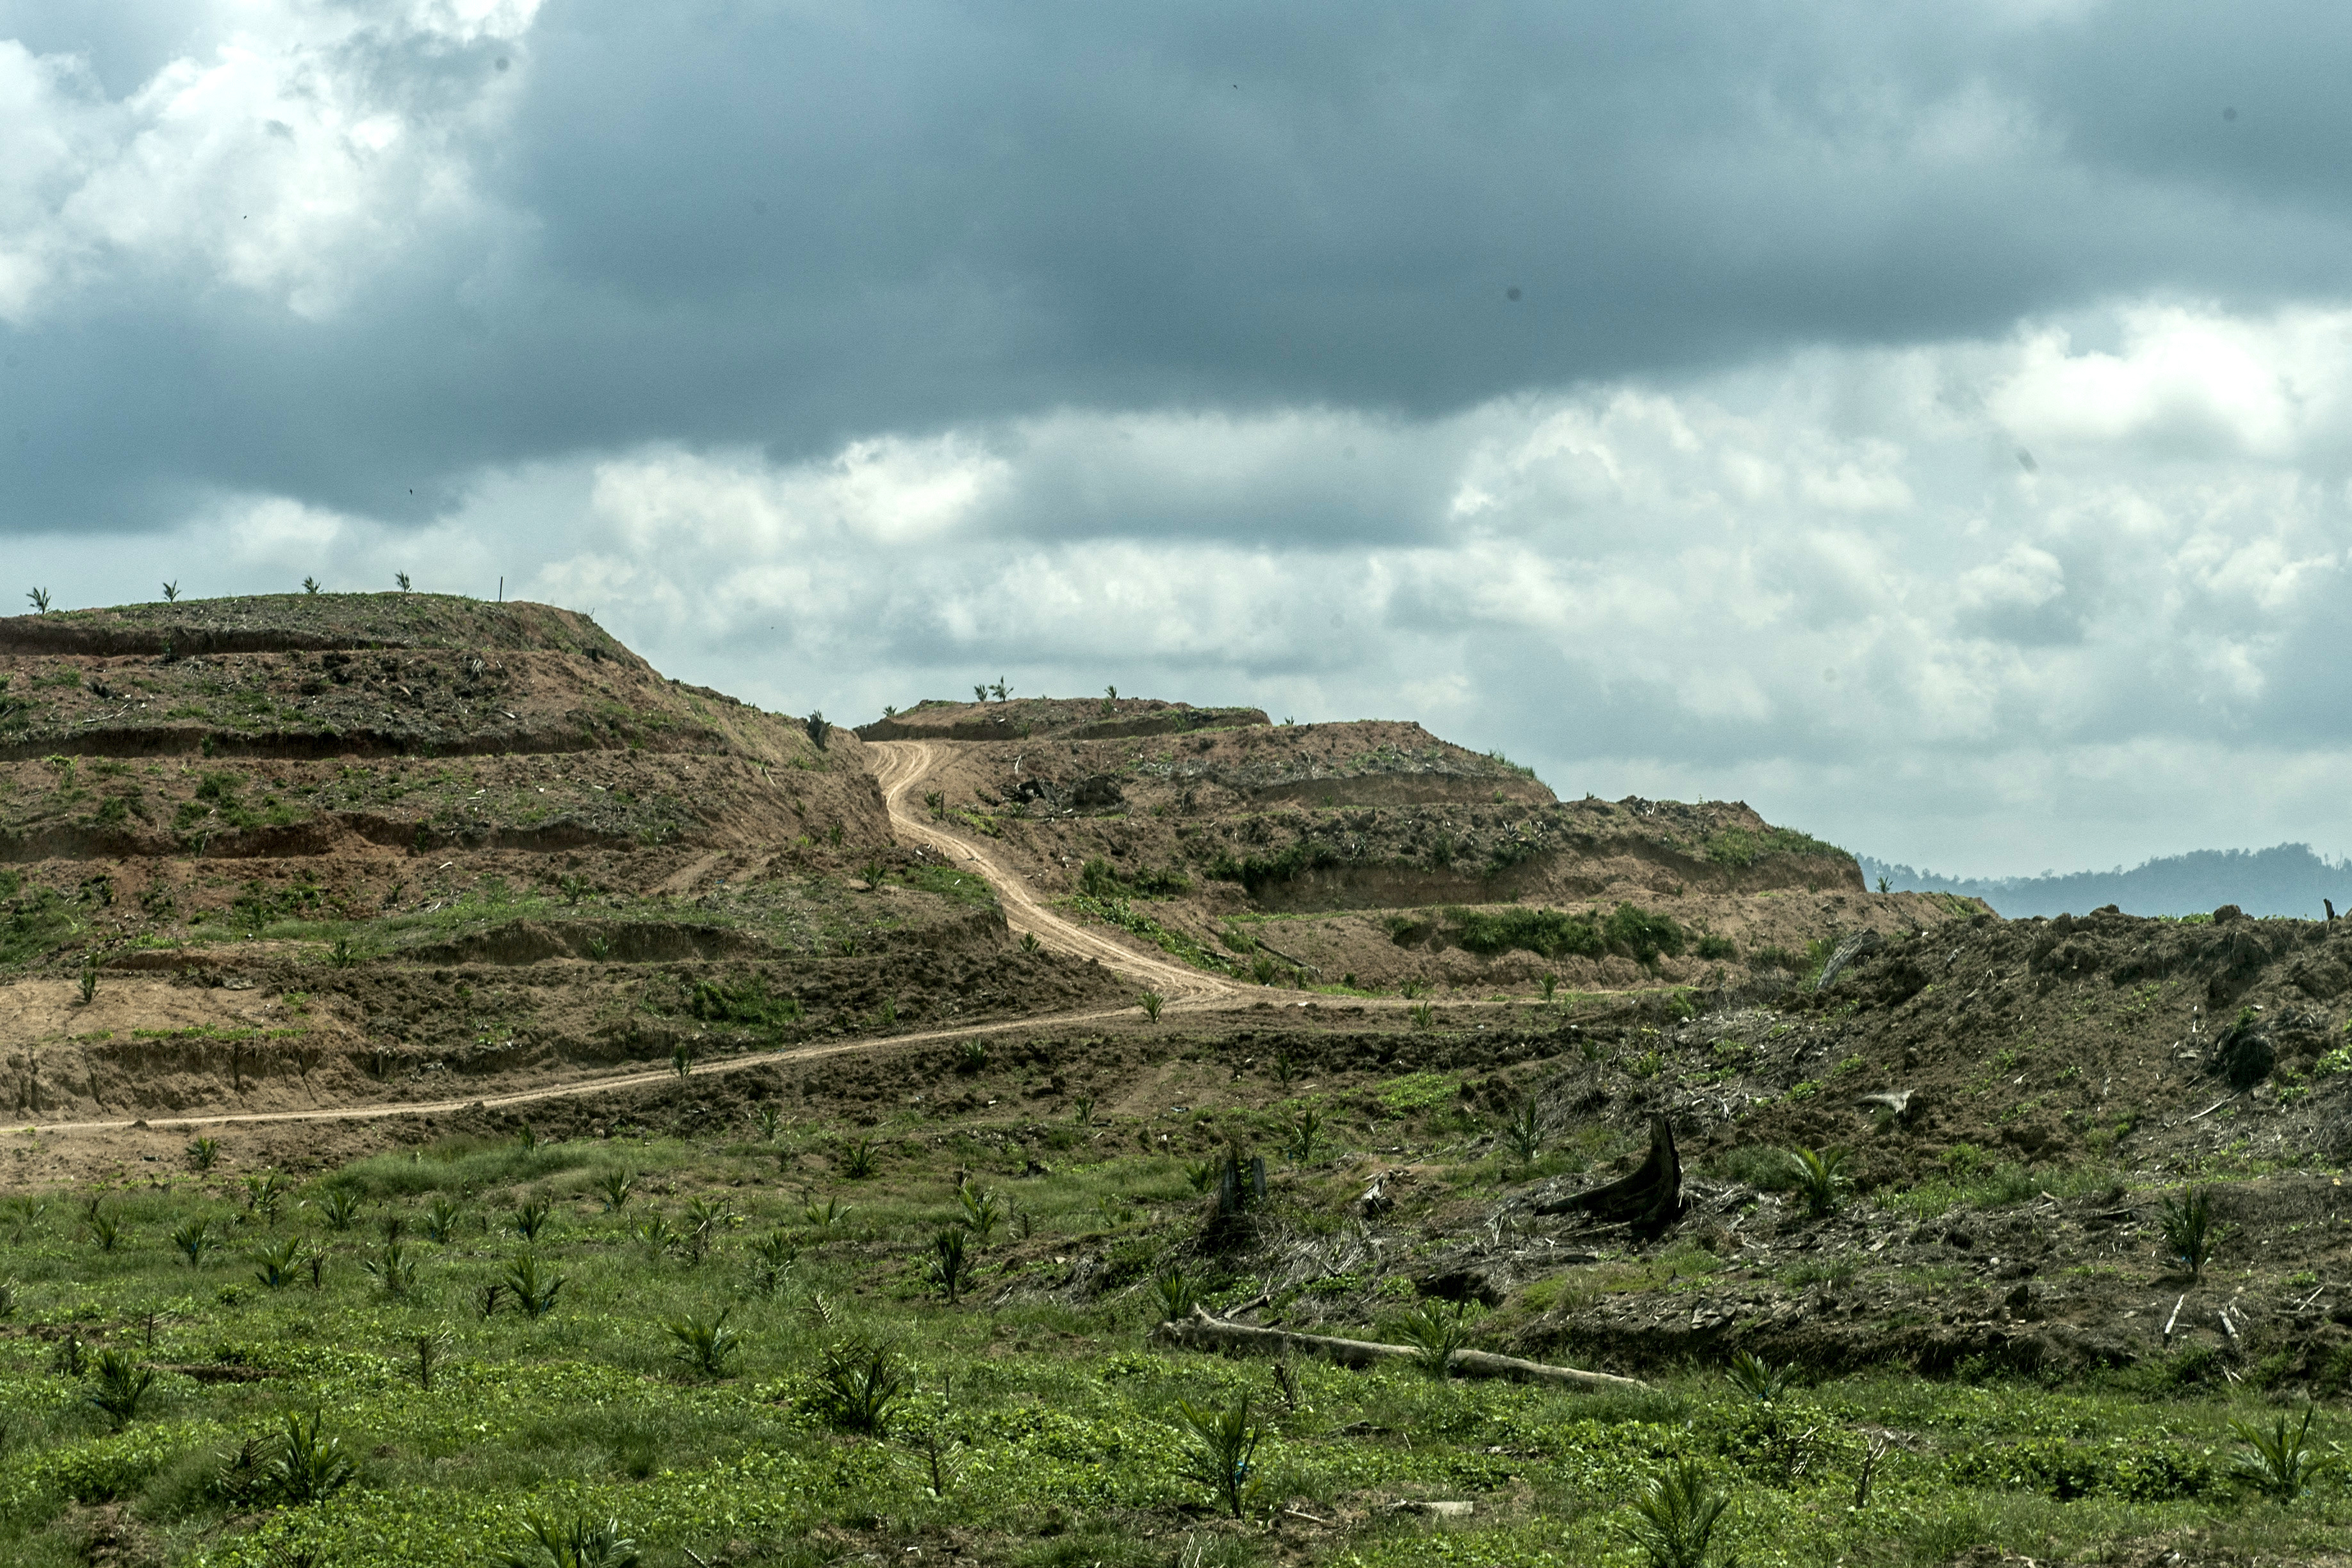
{"x":1205,"y":1332}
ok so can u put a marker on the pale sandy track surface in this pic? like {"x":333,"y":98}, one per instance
{"x":900,"y":765}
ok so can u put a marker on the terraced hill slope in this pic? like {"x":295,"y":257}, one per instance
{"x":328,"y":792}
{"x":1374,"y":854}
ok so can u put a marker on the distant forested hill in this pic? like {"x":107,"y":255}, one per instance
{"x":2288,"y":880}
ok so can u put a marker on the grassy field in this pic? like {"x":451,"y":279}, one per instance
{"x":740,"y":1351}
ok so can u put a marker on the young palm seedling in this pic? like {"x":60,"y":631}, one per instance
{"x":440,"y":1222}
{"x":203,"y":1153}
{"x":705,"y":1343}
{"x":529,"y":1219}
{"x":2276,"y":1461}
{"x":1524,"y":1133}
{"x":432,"y":1347}
{"x":1178,"y":1291}
{"x":826,"y":1218}
{"x":194,"y":1239}
{"x":859,"y":1387}
{"x":1423,"y":1014}
{"x":949,"y":1268}
{"x":339,"y":1208}
{"x":772,"y":1257}
{"x":682,"y":1061}
{"x":392,"y":1269}
{"x":265,"y":1191}
{"x":533,"y":1288}
{"x":706,"y":1220}
{"x":1221,"y":1451}
{"x":1674,"y":1518}
{"x":119,"y":1384}
{"x":105,"y":1229}
{"x":306,"y":1466}
{"x":769,"y":1120}
{"x":1306,"y":1136}
{"x":861,"y":1159}
{"x":2190,"y":1231}
{"x":1757,"y":1378}
{"x":1819,"y":1176}
{"x":1151,"y":1001}
{"x":276,"y":1265}
{"x":576,"y":1542}
{"x":617,"y":1187}
{"x":1435,"y":1335}
{"x":982,"y":1212}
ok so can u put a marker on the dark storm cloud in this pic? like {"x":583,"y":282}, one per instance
{"x":795,"y":225}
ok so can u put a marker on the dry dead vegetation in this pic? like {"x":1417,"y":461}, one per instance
{"x":601,"y":1120}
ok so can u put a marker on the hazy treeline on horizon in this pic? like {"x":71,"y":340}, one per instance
{"x":2285,"y":879}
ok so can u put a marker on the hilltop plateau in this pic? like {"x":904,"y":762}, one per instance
{"x":481,"y":1099}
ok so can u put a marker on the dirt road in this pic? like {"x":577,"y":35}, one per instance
{"x":900,"y":765}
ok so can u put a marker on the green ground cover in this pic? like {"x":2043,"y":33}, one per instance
{"x":1034,"y":1422}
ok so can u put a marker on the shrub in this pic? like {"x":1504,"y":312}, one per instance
{"x":1714,"y":947}
{"x":819,"y":730}
{"x":1221,"y":1451}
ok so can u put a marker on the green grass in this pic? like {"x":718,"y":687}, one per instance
{"x":1059,"y":1430}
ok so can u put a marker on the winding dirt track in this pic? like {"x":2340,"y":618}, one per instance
{"x":904,"y":764}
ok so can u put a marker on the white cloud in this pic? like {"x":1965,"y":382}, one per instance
{"x":292,"y":152}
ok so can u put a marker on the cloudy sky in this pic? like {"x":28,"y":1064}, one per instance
{"x":1931,"y":424}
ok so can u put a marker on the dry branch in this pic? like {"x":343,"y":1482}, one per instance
{"x":1203,"y":1331}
